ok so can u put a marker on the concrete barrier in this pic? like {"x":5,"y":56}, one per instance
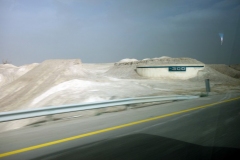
{"x":170,"y":71}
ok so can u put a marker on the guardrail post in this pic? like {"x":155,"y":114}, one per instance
{"x":207,"y":83}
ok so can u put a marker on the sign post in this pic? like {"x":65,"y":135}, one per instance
{"x":207,"y":83}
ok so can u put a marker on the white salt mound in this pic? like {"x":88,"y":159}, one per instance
{"x":9,"y":72}
{"x":41,"y":85}
{"x":128,"y":60}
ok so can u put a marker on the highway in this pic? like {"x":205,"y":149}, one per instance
{"x":204,"y":128}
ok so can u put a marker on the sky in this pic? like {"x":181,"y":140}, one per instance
{"x":103,"y":31}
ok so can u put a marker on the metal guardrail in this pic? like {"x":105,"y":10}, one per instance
{"x":30,"y":113}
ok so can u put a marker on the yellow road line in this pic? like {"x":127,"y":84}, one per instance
{"x":109,"y":129}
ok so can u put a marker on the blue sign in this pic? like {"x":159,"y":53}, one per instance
{"x":176,"y":68}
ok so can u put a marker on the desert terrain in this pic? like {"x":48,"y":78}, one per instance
{"x":58,"y":82}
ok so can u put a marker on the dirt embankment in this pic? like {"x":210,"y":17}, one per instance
{"x":214,"y":76}
{"x":235,"y":66}
{"x":225,"y":69}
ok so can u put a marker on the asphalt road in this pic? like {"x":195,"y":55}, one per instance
{"x":206,"y":132}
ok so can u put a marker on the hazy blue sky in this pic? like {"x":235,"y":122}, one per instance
{"x":98,"y":31}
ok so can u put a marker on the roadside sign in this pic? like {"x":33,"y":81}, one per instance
{"x":177,"y":68}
